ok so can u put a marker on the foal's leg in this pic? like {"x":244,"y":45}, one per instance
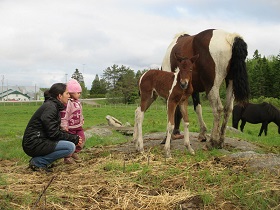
{"x":171,"y":106}
{"x":146,"y":100}
{"x":137,"y":135}
{"x":184,"y":111}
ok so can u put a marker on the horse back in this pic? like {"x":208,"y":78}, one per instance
{"x":256,"y":113}
{"x":156,"y":80}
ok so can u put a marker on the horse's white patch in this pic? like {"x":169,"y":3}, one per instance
{"x":220,"y":50}
{"x":173,"y":84}
{"x":140,"y":80}
{"x":166,"y":64}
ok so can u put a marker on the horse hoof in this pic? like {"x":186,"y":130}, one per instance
{"x":177,"y":136}
{"x":208,"y":146}
{"x":140,"y":150}
{"x":168,"y":156}
{"x":163,"y":141}
{"x":192,"y":152}
{"x":202,"y":140}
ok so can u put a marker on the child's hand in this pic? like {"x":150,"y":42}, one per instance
{"x":64,"y":129}
{"x":80,"y":141}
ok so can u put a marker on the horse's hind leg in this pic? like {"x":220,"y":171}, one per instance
{"x":227,"y":110}
{"x":243,"y":122}
{"x":146,"y":100}
{"x":217,"y":108}
{"x":137,"y":135}
{"x":198,"y":109}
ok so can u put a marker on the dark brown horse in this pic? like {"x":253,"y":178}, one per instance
{"x":176,"y":88}
{"x":221,"y":57}
{"x":263,"y":113}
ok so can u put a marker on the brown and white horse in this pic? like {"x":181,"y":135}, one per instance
{"x":221,"y":57}
{"x":176,"y":88}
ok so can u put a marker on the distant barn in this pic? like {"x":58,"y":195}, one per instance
{"x":13,"y":95}
{"x":20,"y":93}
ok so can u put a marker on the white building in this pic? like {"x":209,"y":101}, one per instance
{"x":13,"y":95}
{"x":21,"y":93}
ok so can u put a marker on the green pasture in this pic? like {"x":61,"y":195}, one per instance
{"x":15,"y":116}
{"x":244,"y":190}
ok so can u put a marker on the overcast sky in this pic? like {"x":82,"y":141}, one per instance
{"x":43,"y":42}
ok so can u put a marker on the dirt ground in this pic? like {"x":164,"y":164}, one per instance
{"x":84,"y":186}
{"x":253,"y":154}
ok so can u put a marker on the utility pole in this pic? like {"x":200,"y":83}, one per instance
{"x":66,"y":78}
{"x":2,"y":85}
{"x":35,"y":95}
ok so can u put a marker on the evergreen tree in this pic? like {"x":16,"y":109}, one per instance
{"x":98,"y":87}
{"x":268,"y":79}
{"x":111,"y":75}
{"x":127,"y":86}
{"x":276,"y":76}
{"x":122,"y":84}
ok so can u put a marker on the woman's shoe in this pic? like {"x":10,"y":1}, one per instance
{"x":76,"y":158}
{"x":33,"y":167}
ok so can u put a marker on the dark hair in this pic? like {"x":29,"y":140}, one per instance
{"x":55,"y":90}
{"x":47,"y":94}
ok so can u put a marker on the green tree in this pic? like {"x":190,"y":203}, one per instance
{"x":127,"y":86}
{"x":267,"y":74}
{"x":98,"y":87}
{"x":111,"y":75}
{"x":276,"y":76}
{"x":122,"y":84}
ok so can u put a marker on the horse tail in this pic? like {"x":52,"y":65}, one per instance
{"x":239,"y":71}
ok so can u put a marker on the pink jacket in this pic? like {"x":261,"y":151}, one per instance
{"x":72,"y":117}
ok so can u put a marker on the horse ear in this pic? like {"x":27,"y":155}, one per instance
{"x":194,"y":58}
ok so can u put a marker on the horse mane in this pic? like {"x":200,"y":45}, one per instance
{"x":272,"y":110}
{"x":181,"y":34}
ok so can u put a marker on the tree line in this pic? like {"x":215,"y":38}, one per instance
{"x":119,"y":83}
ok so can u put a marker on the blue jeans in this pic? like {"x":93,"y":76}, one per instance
{"x":62,"y":149}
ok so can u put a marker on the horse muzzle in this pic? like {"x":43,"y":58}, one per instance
{"x":184,"y":85}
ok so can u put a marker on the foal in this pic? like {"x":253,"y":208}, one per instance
{"x":176,"y":88}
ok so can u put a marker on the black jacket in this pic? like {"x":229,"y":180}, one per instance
{"x":43,"y":130}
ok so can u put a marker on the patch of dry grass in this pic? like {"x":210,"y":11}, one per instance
{"x":134,"y":181}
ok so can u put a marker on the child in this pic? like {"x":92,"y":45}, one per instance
{"x":72,"y":118}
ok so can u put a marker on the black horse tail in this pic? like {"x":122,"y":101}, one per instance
{"x":239,"y":71}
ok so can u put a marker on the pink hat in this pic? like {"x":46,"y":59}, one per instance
{"x":73,"y":86}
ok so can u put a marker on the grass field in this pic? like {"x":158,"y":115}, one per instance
{"x":242,"y":190}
